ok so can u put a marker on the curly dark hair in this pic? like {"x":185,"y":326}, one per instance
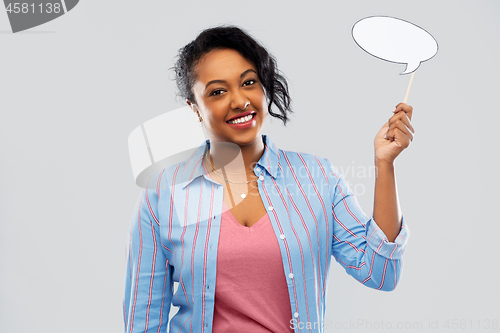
{"x":232,"y":37}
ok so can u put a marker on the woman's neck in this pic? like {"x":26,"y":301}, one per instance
{"x":235,"y":158}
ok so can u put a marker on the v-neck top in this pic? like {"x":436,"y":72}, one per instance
{"x":251,"y":293}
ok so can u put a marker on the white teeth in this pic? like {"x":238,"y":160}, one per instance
{"x":240,"y":120}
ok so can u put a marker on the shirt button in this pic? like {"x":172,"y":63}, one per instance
{"x":270,"y":208}
{"x":296,"y":314}
{"x":257,"y":170}
{"x":290,"y":275}
{"x":282,"y":236}
{"x":261,"y":177}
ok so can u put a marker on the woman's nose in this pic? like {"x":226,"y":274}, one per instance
{"x":239,"y":101}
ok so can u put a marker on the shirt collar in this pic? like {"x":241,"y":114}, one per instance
{"x":193,"y":167}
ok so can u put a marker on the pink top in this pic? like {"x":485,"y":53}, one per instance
{"x":251,"y":293}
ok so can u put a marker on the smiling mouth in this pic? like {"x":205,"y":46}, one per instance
{"x":242,"y":120}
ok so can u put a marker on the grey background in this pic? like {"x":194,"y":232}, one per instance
{"x":74,"y":88}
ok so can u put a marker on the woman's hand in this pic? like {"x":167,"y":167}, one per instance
{"x":395,"y":135}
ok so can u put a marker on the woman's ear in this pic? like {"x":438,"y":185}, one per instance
{"x":192,"y":106}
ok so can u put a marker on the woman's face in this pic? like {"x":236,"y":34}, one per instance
{"x":227,"y":87}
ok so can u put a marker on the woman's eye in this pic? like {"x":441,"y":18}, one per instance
{"x":216,"y":92}
{"x":249,"y":82}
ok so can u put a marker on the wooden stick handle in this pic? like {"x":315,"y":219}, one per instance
{"x":409,"y":86}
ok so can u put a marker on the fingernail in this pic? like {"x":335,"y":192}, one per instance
{"x":385,"y":136}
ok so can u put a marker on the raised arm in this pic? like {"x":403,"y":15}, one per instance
{"x":359,"y":244}
{"x":390,"y":141}
{"x":372,"y":249}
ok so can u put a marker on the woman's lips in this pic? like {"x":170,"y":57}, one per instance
{"x":244,"y":125}
{"x":243,"y":114}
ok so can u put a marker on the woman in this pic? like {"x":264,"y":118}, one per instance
{"x":246,"y":229}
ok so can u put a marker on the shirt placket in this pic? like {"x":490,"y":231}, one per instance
{"x":215,"y":219}
{"x":269,"y":197}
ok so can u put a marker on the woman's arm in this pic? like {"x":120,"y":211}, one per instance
{"x":371,"y":250}
{"x":386,"y":210}
{"x":148,"y":283}
{"x":390,"y":141}
{"x":359,"y":244}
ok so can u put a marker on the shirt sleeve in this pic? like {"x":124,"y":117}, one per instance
{"x":149,"y":284}
{"x":359,"y":245}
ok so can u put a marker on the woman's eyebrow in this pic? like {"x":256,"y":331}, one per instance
{"x":247,"y":71}
{"x":214,"y":81}
{"x":222,"y":81}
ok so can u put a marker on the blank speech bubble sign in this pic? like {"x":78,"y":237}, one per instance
{"x":395,"y":40}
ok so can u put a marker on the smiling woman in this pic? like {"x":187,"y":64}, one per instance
{"x":230,"y":99}
{"x":246,"y":229}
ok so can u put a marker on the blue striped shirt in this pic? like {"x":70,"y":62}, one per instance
{"x":175,"y":228}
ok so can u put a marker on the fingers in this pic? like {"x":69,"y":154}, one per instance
{"x":404,"y":107}
{"x":398,"y":131}
{"x":400,"y":138}
{"x":399,"y":128}
{"x":401,"y":117}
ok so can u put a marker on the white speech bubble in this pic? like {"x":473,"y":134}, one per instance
{"x":395,"y":40}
